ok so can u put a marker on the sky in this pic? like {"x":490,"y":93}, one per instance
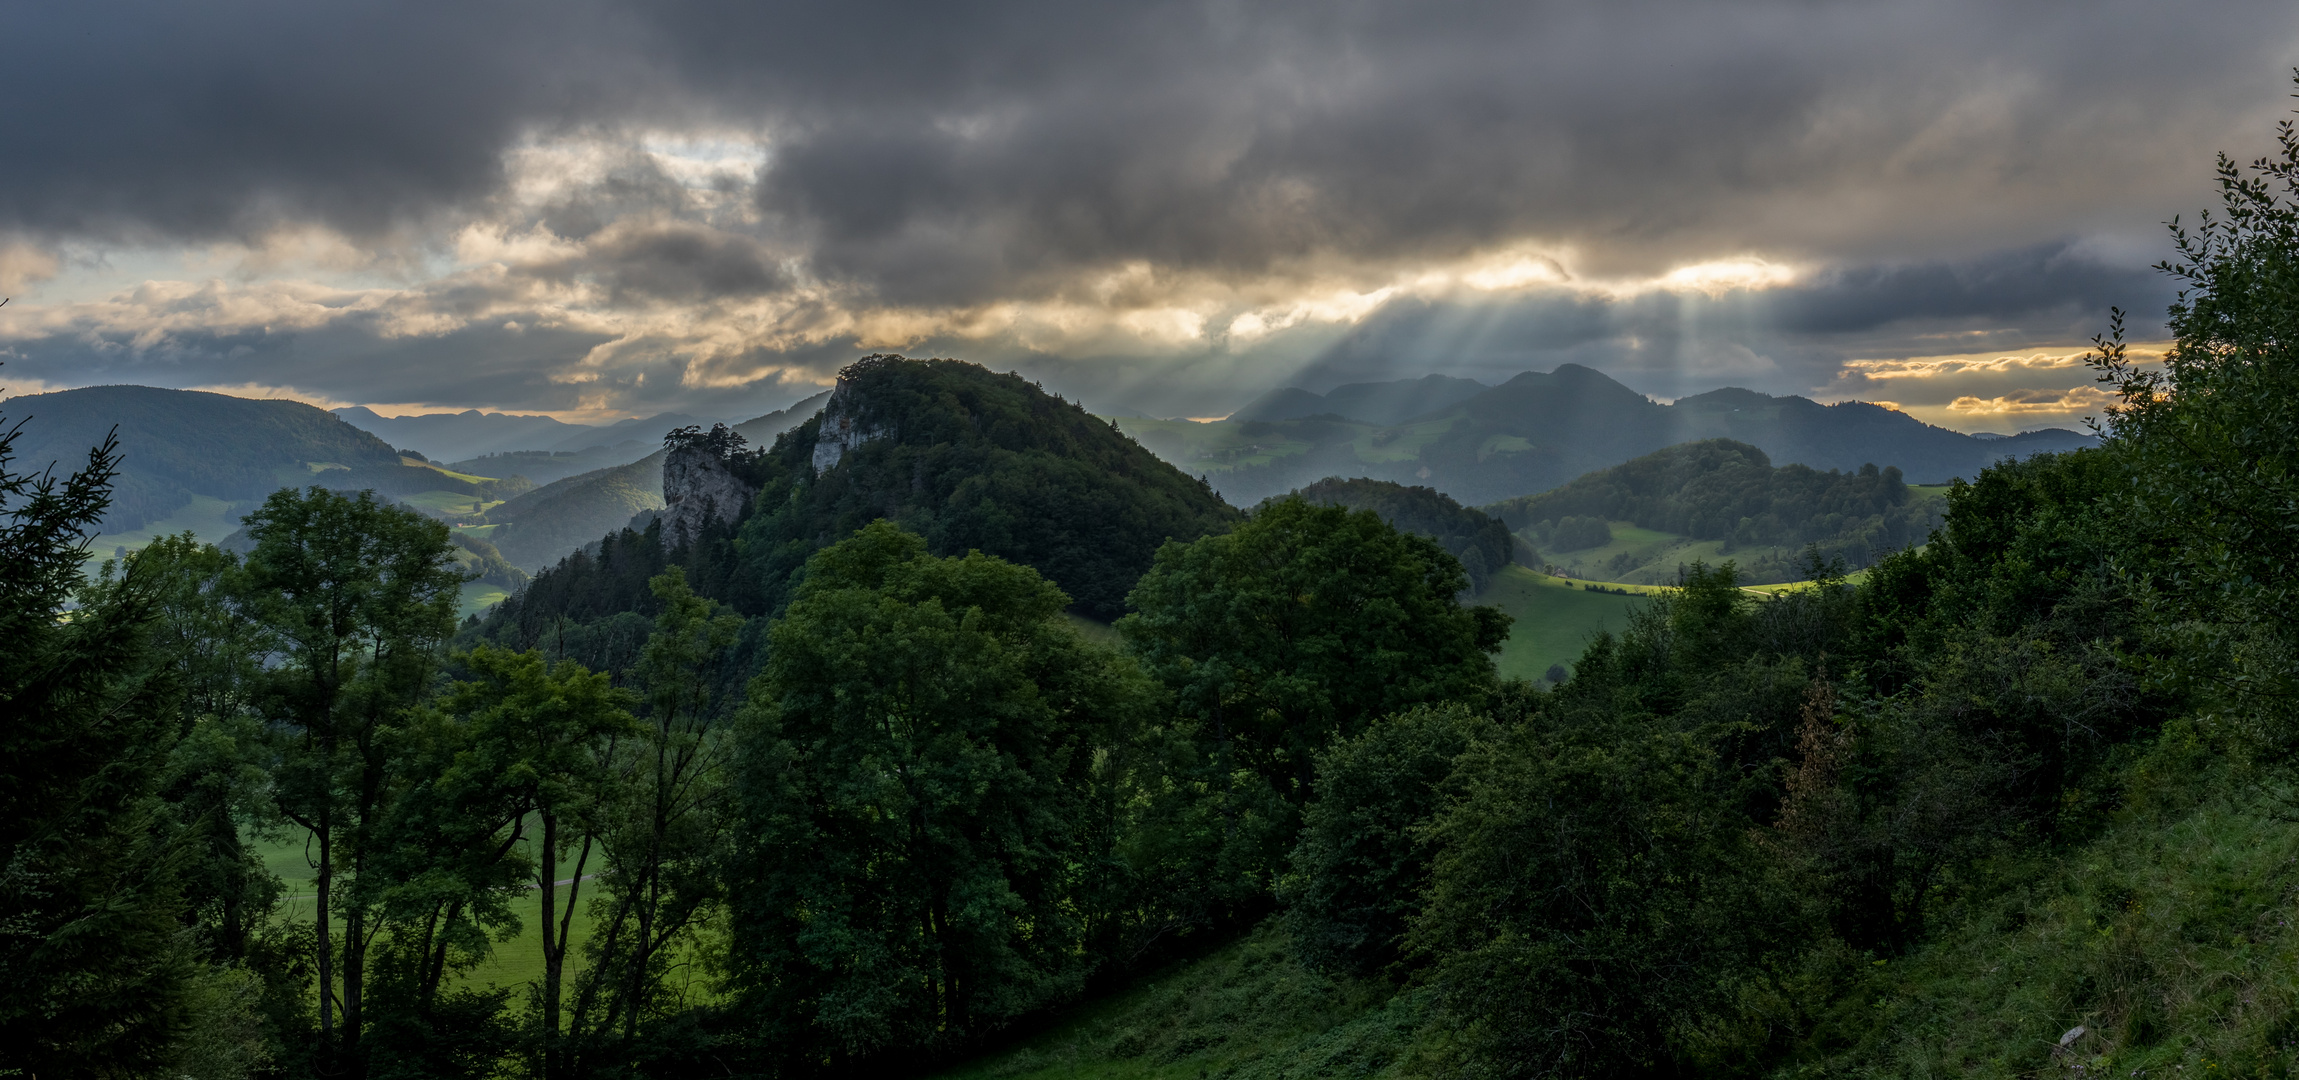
{"x":600,"y":209}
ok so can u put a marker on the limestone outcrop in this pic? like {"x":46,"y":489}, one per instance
{"x":843,"y":427}
{"x":700,"y":483}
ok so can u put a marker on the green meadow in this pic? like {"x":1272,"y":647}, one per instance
{"x":1555,"y":617}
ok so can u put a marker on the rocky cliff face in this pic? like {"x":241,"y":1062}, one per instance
{"x":843,"y":428}
{"x":698,"y":486}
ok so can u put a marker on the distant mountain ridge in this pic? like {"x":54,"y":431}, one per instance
{"x":179,"y":445}
{"x":470,"y":433}
{"x":1539,"y":430}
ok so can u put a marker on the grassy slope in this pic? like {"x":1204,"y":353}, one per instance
{"x":1247,"y":1010}
{"x":2170,"y":940}
{"x":449,"y":504}
{"x":1555,"y":618}
{"x":478,"y":596}
{"x":206,"y":518}
{"x":1651,"y":557}
{"x":1400,"y":443}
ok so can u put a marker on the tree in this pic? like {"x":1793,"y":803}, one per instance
{"x":1302,"y":626}
{"x":1363,"y":861}
{"x":94,"y":972}
{"x":1593,"y":893}
{"x":2215,"y":431}
{"x":353,"y":599}
{"x":662,"y":826}
{"x":917,"y":800}
{"x":546,"y":735}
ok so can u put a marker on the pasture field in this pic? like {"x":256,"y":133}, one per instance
{"x":1555,"y":617}
{"x":449,"y":504}
{"x":468,"y":478}
{"x":478,"y":596}
{"x":1400,"y":443}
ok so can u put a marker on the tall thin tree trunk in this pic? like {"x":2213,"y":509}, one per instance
{"x":326,"y":947}
{"x":549,"y":887}
{"x":354,"y":977}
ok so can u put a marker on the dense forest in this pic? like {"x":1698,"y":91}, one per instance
{"x":860,"y":797}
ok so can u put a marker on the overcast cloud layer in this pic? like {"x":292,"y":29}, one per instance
{"x":601,"y":209}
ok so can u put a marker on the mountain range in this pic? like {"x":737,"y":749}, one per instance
{"x":178,"y":447}
{"x":472,"y":433}
{"x":1374,"y":402}
{"x":1539,"y":430}
{"x":198,"y":460}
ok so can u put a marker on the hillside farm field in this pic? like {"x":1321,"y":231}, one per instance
{"x":1555,"y":617}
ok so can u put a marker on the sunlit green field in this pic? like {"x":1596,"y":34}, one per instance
{"x":478,"y":596}
{"x":1555,"y":618}
{"x":467,"y":478}
{"x":449,"y":503}
{"x":1651,"y":557}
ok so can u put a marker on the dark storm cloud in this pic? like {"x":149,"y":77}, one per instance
{"x":936,"y":147}
{"x":1928,"y":164}
{"x":2029,"y":287}
{"x":486,"y":366}
{"x":673,"y":260}
{"x":148,"y":118}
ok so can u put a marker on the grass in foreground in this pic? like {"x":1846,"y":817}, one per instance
{"x":2170,"y":941}
{"x":1248,"y":1010}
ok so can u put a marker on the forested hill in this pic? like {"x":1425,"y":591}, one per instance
{"x":1480,"y":541}
{"x":177,"y":444}
{"x":1721,"y":490}
{"x":966,"y":458}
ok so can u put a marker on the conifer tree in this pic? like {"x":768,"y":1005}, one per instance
{"x":94,"y":969}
